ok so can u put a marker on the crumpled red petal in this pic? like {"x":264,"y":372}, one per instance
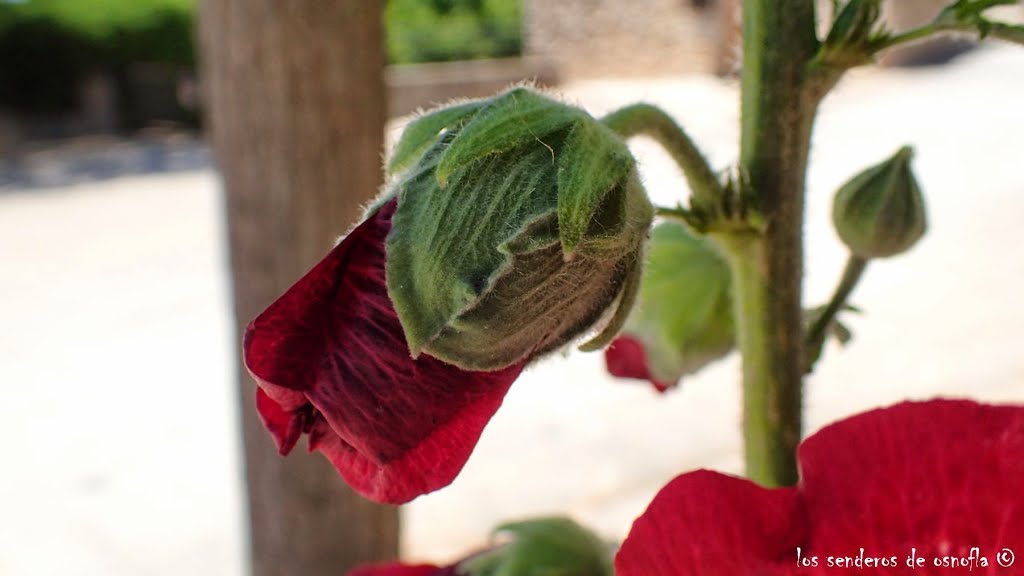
{"x":940,"y":477}
{"x":625,"y":357}
{"x":331,"y":361}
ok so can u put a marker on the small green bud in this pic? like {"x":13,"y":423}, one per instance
{"x":683,"y":316}
{"x":555,"y":546}
{"x":519,"y":227}
{"x":880,"y":212}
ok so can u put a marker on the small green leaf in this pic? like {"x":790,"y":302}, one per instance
{"x":510,"y":119}
{"x":594,"y":162}
{"x":422,"y":132}
{"x":543,"y":547}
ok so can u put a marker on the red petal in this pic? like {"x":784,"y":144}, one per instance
{"x":710,"y":523}
{"x":940,"y":476}
{"x":626,"y":358}
{"x":394,"y":427}
{"x":395,"y":569}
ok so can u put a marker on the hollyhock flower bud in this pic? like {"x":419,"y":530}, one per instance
{"x":683,"y":317}
{"x":519,"y":228}
{"x":511,"y":226}
{"x":880,"y":212}
{"x":541,"y":546}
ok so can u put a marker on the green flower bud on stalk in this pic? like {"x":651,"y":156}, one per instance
{"x":880,"y":212}
{"x":519,"y":227}
{"x":543,"y":546}
{"x":683,"y":318}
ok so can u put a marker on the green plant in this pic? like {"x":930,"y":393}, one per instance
{"x":330,"y":355}
{"x":443,"y":30}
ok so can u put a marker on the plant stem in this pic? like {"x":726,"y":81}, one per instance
{"x":815,"y":338}
{"x":779,"y":101}
{"x":648,"y":120}
{"x":1000,"y":30}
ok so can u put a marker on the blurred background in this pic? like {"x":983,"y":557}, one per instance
{"x":167,"y":167}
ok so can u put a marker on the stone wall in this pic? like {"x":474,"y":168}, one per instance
{"x":587,"y":38}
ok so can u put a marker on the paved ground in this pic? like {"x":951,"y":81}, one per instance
{"x":120,"y":450}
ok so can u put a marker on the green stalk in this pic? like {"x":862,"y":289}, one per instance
{"x":779,"y":101}
{"x":816,"y":333}
{"x":653,"y":122}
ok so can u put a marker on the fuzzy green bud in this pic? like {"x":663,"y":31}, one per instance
{"x":683,"y":315}
{"x":880,"y":212}
{"x":519,"y":227}
{"x":543,"y":546}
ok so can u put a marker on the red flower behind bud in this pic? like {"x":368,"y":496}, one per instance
{"x":331,"y":361}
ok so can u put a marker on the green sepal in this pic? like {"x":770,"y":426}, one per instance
{"x":684,"y":312}
{"x":510,"y":119}
{"x":623,"y":308}
{"x":442,"y":249}
{"x":543,"y":547}
{"x":421,"y":133}
{"x":594,"y":164}
{"x":855,"y":22}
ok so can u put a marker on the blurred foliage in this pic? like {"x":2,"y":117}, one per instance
{"x":441,"y":30}
{"x":47,"y":47}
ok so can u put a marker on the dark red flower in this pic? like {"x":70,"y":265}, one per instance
{"x":933,"y":479}
{"x":398,"y":569}
{"x":626,"y":358}
{"x":331,"y":361}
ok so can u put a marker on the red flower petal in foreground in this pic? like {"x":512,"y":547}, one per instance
{"x":397,"y":569}
{"x":934,"y":479}
{"x":331,"y":361}
{"x":626,"y":358}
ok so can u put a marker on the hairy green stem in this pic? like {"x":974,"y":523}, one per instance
{"x":815,"y":339}
{"x":779,"y":101}
{"x":651,"y":121}
{"x":999,"y":30}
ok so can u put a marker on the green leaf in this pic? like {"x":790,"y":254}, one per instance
{"x":543,"y":547}
{"x":422,"y":132}
{"x":593,"y":163}
{"x":684,"y":313}
{"x":510,"y":119}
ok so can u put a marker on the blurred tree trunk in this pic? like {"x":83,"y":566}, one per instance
{"x":296,"y":106}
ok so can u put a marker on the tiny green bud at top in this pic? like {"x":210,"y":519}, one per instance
{"x":519,"y":227}
{"x":880,"y":212}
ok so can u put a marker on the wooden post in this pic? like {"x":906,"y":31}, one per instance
{"x":296,"y":107}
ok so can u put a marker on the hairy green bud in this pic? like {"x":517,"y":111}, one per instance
{"x":519,"y":227}
{"x":683,"y":315}
{"x":880,"y":212}
{"x":555,"y":546}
